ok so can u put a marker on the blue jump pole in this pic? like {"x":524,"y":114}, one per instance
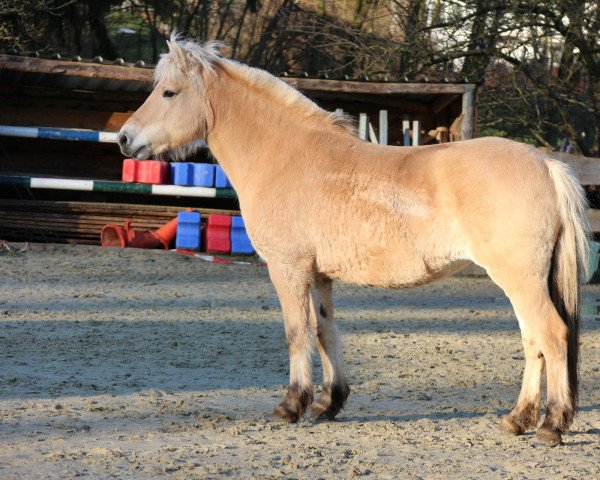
{"x":59,"y":134}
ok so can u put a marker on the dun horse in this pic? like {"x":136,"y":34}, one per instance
{"x":321,"y":205}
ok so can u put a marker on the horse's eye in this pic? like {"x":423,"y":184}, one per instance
{"x":169,"y":93}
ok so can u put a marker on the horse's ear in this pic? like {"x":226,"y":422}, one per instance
{"x":172,"y":41}
{"x":178,"y":53}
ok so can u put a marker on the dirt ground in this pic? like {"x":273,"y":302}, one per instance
{"x":149,"y":364}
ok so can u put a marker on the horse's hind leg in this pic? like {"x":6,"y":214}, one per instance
{"x":292,"y":286}
{"x":548,"y":333}
{"x":526,"y":413}
{"x":335,"y":389}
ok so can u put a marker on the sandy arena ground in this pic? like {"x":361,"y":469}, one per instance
{"x":146,"y":364}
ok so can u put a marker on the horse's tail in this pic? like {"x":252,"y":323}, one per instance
{"x":569,"y":268}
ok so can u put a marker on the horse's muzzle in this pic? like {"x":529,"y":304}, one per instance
{"x":125,"y":142}
{"x":131,"y":148}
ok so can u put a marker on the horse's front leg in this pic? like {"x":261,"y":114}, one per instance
{"x":335,"y":388}
{"x":292,"y":285}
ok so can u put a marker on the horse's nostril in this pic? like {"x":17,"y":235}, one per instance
{"x":123,"y":139}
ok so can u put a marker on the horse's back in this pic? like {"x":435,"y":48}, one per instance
{"x":411,"y":215}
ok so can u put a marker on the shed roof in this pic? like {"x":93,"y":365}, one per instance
{"x":125,"y":86}
{"x":99,"y":74}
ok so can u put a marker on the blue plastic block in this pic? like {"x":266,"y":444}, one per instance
{"x":240,"y":243}
{"x":182,"y":174}
{"x":221,"y":180}
{"x":204,"y":175}
{"x":188,"y":230}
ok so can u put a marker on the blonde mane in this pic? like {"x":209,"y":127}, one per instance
{"x":200,"y":60}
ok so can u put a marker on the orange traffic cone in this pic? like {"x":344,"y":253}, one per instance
{"x":149,"y":239}
{"x":113,"y":236}
{"x":124,"y":236}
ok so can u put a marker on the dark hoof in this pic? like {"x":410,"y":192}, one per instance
{"x":320,"y":409}
{"x":294,"y":406}
{"x":331,"y":402}
{"x":510,"y":427}
{"x":547,"y":437}
{"x":284,"y":413}
{"x":520,"y":419}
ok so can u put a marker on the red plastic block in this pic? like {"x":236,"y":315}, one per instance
{"x":152,"y":171}
{"x":145,"y":171}
{"x":218,"y":230}
{"x":130,"y":167}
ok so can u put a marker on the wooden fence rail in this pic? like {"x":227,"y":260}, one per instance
{"x":588,"y":172}
{"x":587,"y":168}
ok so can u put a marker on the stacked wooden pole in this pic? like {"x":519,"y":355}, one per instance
{"x":78,"y":222}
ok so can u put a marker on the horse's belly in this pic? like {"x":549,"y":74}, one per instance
{"x":399,"y":279}
{"x":391,"y":268}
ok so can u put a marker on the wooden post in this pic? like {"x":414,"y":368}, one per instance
{"x":406,"y":129}
{"x":372,"y":135}
{"x":442,"y":134}
{"x":362,"y":126}
{"x":468,"y":112}
{"x":383,"y":127}
{"x":416,"y":140}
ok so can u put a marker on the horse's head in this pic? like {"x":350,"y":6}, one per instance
{"x":177,"y":112}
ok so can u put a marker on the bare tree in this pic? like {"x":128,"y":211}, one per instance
{"x":20,"y":22}
{"x":552,"y":52}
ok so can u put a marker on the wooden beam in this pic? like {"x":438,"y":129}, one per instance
{"x":79,"y":222}
{"x":63,"y":94}
{"x":76,"y":69}
{"x":63,"y":118}
{"x":377,"y":88}
{"x":116,"y":72}
{"x":105,"y":100}
{"x":97,"y":208}
{"x":586,"y":168}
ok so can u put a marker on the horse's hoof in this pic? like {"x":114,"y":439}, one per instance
{"x":283,"y":413}
{"x":510,"y":427}
{"x":547,"y":437}
{"x":294,"y":405}
{"x":316,"y":410}
{"x":319,"y":410}
{"x":331,"y":401}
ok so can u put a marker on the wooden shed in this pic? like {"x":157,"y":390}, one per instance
{"x":100,"y":96}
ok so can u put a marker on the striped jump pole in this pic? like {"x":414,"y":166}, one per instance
{"x":74,"y":134}
{"x":112,"y":186}
{"x":59,"y":134}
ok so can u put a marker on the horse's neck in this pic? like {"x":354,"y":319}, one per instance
{"x":254,"y":136}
